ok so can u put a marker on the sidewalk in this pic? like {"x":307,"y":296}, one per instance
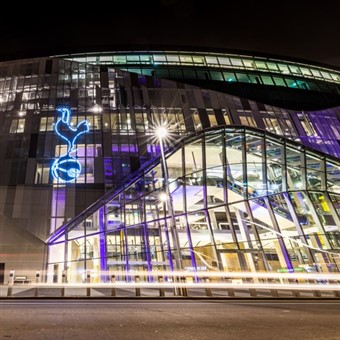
{"x":30,"y":291}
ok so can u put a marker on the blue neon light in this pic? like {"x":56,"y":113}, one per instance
{"x":66,"y":168}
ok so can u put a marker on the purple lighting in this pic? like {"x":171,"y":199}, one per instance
{"x":102,"y":246}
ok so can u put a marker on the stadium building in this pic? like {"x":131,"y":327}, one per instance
{"x":168,"y":160}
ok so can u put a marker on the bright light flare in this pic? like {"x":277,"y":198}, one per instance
{"x":161,"y":132}
{"x":97,"y":109}
{"x":163,"y":197}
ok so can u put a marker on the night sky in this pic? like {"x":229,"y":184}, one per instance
{"x":298,"y":29}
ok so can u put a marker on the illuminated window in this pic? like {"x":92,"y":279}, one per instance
{"x":267,"y":80}
{"x":119,"y":59}
{"x":172,"y":58}
{"x":272,"y":66}
{"x":42,"y":174}
{"x":246,"y":118}
{"x":106,"y":59}
{"x":212,"y":60}
{"x":260,"y":64}
{"x":316,"y":73}
{"x":159,"y":58}
{"x":216,"y":75}
{"x":46,"y":124}
{"x":284,"y":68}
{"x":226,"y":117}
{"x":242,"y":77}
{"x":198,"y":60}
{"x":223,"y":61}
{"x":17,"y":126}
{"x":279,"y":81}
{"x":236,"y":62}
{"x":145,"y":59}
{"x":133,"y":58}
{"x":212,"y":117}
{"x":248,"y":63}
{"x":197,"y":121}
{"x":326,"y":75}
{"x":229,"y":76}
{"x":186,"y":59}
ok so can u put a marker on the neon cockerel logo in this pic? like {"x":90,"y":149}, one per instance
{"x":66,"y":168}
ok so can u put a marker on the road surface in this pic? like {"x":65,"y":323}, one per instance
{"x":164,"y":319}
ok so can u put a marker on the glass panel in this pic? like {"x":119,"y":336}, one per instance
{"x":316,"y":73}
{"x":224,"y":61}
{"x":260,"y":64}
{"x":267,"y":80}
{"x":277,"y":245}
{"x":92,"y":253}
{"x":333,"y":177}
{"x":255,"y":79}
{"x":283,"y":68}
{"x":336,"y":203}
{"x":214,"y":170}
{"x":315,"y":173}
{"x":236,"y":62}
{"x":116,"y":251}
{"x":185,"y":59}
{"x":291,"y":83}
{"x":194,"y":191}
{"x":235,"y":159}
{"x":159,"y":58}
{"x":197,"y":221}
{"x":305,"y":211}
{"x":324,"y":210}
{"x":276,"y":180}
{"x":194,"y":175}
{"x":216,"y":76}
{"x":326,"y":75}
{"x":242,"y":77}
{"x":272,"y":66}
{"x":305,"y":71}
{"x":119,"y":59}
{"x":193,"y":157}
{"x":248,"y":63}
{"x":279,"y":81}
{"x":228,"y":76}
{"x":211,"y":60}
{"x":133,"y":58}
{"x":172,"y":58}
{"x":295,"y":171}
{"x":244,"y":231}
{"x":145,"y":58}
{"x":198,"y":60}
{"x":56,"y":259}
{"x":255,"y":168}
{"x":174,"y":163}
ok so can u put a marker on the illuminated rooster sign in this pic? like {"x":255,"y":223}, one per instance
{"x":66,"y":168}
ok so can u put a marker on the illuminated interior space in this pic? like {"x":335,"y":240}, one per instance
{"x":238,"y":200}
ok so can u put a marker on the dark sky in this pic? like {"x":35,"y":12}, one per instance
{"x":299,"y":29}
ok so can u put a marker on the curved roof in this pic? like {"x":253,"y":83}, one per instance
{"x":175,"y":146}
{"x":132,"y":60}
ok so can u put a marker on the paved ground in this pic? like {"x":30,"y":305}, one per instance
{"x":164,"y":319}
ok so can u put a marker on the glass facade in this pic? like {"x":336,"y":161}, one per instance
{"x":238,"y":200}
{"x":219,"y":191}
{"x":147,"y":60}
{"x":313,"y":87}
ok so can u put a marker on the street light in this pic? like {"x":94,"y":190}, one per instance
{"x":161,"y":133}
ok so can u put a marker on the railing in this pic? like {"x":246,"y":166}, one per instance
{"x":184,"y":284}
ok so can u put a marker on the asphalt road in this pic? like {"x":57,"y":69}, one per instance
{"x":159,"y":319}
